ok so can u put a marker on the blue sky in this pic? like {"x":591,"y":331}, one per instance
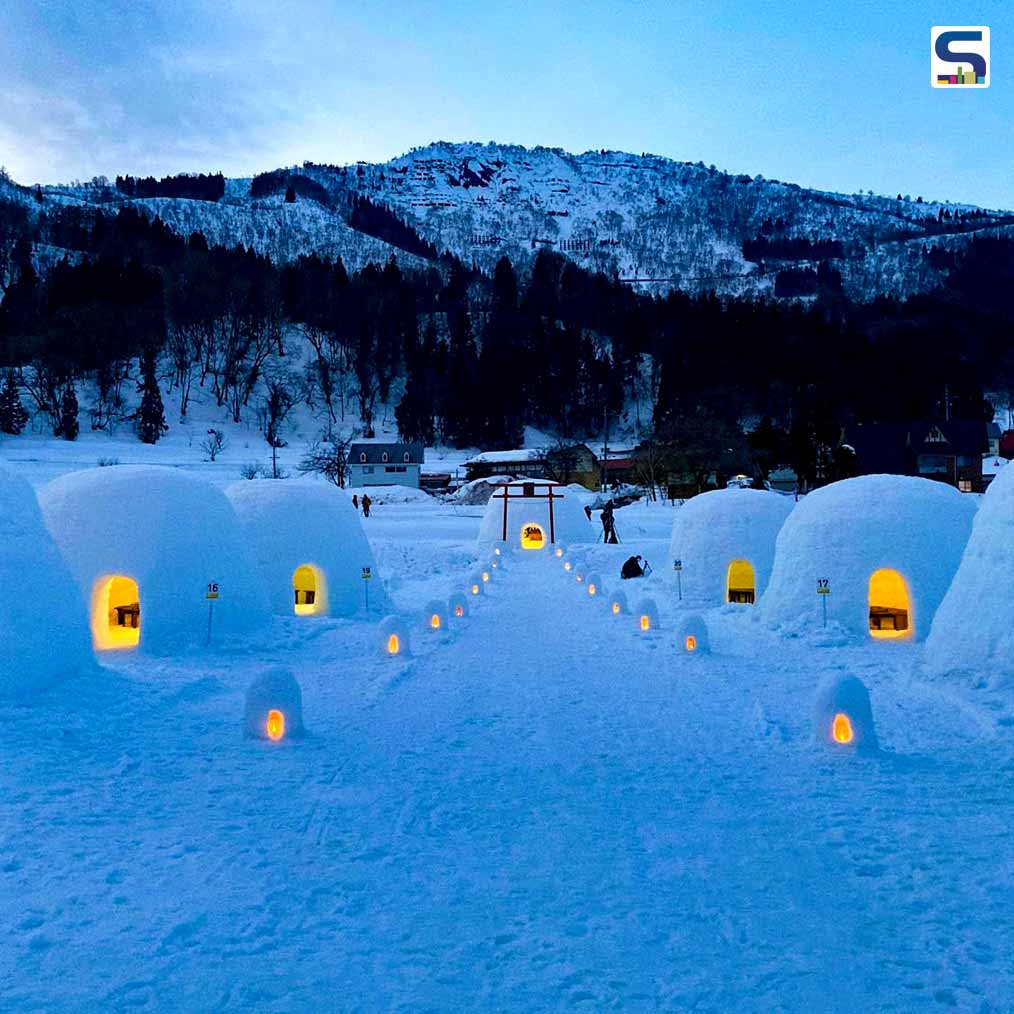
{"x":828,"y":94}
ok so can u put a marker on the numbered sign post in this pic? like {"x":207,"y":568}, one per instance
{"x":367,"y":575}
{"x":823,"y":590}
{"x":212,"y":596}
{"x":678,"y":567}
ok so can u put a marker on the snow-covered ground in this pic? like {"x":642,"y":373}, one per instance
{"x":547,"y":811}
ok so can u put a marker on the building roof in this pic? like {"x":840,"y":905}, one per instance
{"x":375,"y":450}
{"x":891,"y":448}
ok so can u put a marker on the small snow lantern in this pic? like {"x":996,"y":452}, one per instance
{"x":485,"y":574}
{"x":593,"y":586}
{"x":580,"y":571}
{"x":843,"y":717}
{"x":475,"y":583}
{"x":274,"y":707}
{"x":393,"y":637}
{"x":559,"y":552}
{"x":568,"y":565}
{"x":497,"y":564}
{"x":647,"y":615}
{"x":618,"y":604}
{"x":457,"y":606}
{"x":435,"y":617}
{"x":692,"y":635}
{"x":499,"y":549}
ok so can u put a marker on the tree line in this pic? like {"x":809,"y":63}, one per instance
{"x":470,"y":359}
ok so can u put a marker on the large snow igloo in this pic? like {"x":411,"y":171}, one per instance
{"x":532,"y":514}
{"x":887,"y":546}
{"x":309,"y":544}
{"x":147,"y":546}
{"x":725,"y":543}
{"x":43,"y":624}
{"x":972,"y":629}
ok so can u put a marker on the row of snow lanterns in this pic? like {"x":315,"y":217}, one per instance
{"x":274,"y":701}
{"x":693,"y":632}
{"x":438,"y":616}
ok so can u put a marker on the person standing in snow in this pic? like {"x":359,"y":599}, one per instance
{"x":355,"y":501}
{"x":608,"y":524}
{"x":366,"y":505}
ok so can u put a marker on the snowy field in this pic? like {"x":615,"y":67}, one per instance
{"x":547,"y":811}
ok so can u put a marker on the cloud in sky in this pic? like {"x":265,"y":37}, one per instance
{"x":827,"y":93}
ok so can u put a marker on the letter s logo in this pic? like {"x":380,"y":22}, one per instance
{"x":959,"y":55}
{"x":944,"y":52}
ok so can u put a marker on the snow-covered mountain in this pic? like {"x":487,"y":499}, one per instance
{"x":656,"y":222}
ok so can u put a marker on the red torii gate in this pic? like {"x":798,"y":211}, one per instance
{"x":527,"y":492}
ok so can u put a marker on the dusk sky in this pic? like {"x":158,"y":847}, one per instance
{"x":827,"y":93}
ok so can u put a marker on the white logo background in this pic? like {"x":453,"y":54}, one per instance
{"x":946,"y":67}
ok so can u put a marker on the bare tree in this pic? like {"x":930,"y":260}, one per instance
{"x":214,"y":443}
{"x":329,"y":458}
{"x":276,"y":406}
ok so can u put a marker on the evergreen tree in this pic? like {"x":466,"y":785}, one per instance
{"x":12,"y":413}
{"x":68,"y":426}
{"x":151,"y":422}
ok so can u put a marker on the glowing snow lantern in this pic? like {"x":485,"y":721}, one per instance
{"x":692,"y":635}
{"x":393,"y":637}
{"x":475,"y":584}
{"x":618,"y":604}
{"x":568,"y":566}
{"x":647,"y":615}
{"x":843,"y":717}
{"x":593,"y":586}
{"x":457,"y":606}
{"x":485,"y":575}
{"x":274,"y":707}
{"x":559,"y":552}
{"x":435,"y":617}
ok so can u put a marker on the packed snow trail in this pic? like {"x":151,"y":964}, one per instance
{"x":547,"y":811}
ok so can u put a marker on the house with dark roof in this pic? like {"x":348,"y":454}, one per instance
{"x":379,"y":463}
{"x":948,"y":451}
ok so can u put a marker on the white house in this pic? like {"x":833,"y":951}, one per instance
{"x":379,"y":463}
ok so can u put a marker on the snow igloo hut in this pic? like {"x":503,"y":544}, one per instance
{"x":724,"y":541}
{"x":43,"y":627}
{"x":973,"y":628}
{"x":154,"y":552}
{"x":882,"y":551}
{"x":532,"y":514}
{"x":308,"y":543}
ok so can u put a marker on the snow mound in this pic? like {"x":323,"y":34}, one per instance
{"x":478,"y":491}
{"x":692,"y":635}
{"x":647,"y":615}
{"x":972,"y":628}
{"x":715,"y":533}
{"x":160,"y":540}
{"x":43,"y":624}
{"x":274,"y":706}
{"x":393,"y":637}
{"x":435,"y":617}
{"x":385,"y":495}
{"x":527,"y":518}
{"x":618,"y":604}
{"x":307,"y":533}
{"x":887,"y":546}
{"x":842,"y":715}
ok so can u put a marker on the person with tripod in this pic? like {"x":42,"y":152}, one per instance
{"x":608,"y":524}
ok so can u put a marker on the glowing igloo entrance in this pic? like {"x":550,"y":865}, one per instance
{"x":116,"y":613}
{"x":741,"y":584}
{"x":890,"y":608}
{"x":309,"y":589}
{"x":533,"y":536}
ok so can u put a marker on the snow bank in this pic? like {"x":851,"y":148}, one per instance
{"x":842,"y":715}
{"x":973,"y":628}
{"x":156,"y":538}
{"x":527,"y":518}
{"x":274,"y":706}
{"x":897,"y":536}
{"x":43,"y":623}
{"x":308,"y":543}
{"x":725,"y":541}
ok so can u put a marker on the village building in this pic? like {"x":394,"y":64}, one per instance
{"x":383,"y":463}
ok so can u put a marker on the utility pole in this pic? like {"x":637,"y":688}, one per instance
{"x":605,"y":444}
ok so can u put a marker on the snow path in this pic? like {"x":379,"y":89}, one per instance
{"x":547,"y":812}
